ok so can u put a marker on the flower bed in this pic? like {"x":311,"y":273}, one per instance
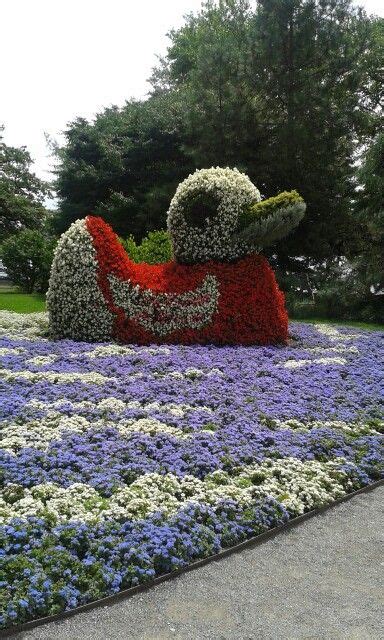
{"x":121,"y":463}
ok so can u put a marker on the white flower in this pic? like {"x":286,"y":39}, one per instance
{"x":213,"y":240}
{"x":76,"y":305}
{"x":56,"y":377}
{"x":333,"y":334}
{"x":299,"y":486}
{"x":41,"y":361}
{"x":296,"y":364}
{"x":25,"y":326}
{"x":6,"y":351}
{"x":105,"y":351}
{"x":164,"y":313}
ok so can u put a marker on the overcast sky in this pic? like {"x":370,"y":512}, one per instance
{"x":68,"y":58}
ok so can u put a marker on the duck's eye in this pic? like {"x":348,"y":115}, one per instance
{"x":200,"y":208}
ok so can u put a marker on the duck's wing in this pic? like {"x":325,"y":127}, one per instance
{"x":163,"y":313}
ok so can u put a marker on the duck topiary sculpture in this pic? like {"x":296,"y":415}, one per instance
{"x":218,"y":289}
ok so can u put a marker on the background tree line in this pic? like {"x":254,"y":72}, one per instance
{"x":288,"y":91}
{"x":27,"y":239}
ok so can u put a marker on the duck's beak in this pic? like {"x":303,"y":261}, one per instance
{"x":266,"y":222}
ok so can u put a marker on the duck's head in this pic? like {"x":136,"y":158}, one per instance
{"x":217,"y":214}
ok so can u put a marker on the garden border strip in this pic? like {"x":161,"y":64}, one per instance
{"x":127,"y":593}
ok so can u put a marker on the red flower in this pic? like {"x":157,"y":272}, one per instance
{"x":249,"y":309}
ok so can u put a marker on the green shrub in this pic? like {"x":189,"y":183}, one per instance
{"x":338,"y":302}
{"x":155,"y":248}
{"x":132,"y":249}
{"x":28,"y":256}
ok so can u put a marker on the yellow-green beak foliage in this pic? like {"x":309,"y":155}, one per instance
{"x":270,"y":220}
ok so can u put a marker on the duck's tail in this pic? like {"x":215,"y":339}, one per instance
{"x":77,"y":308}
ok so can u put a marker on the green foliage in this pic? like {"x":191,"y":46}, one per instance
{"x":125,"y":166}
{"x":266,"y":222}
{"x":334,"y":289}
{"x":269,"y":229}
{"x":208,"y":64}
{"x":353,"y":303}
{"x":286,"y":92}
{"x":27,"y":257}
{"x":370,"y":215}
{"x":154,"y":249}
{"x":21,"y":192}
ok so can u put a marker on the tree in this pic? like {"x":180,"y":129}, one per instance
{"x":370,"y":213}
{"x":21,"y":192}
{"x":356,"y":282}
{"x":286,"y":92}
{"x":27,"y":257}
{"x":124,"y":166}
{"x":319,"y":102}
{"x":208,"y":64}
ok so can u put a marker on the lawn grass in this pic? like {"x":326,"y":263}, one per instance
{"x":21,"y":302}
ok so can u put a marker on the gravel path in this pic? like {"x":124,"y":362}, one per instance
{"x":320,"y":581}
